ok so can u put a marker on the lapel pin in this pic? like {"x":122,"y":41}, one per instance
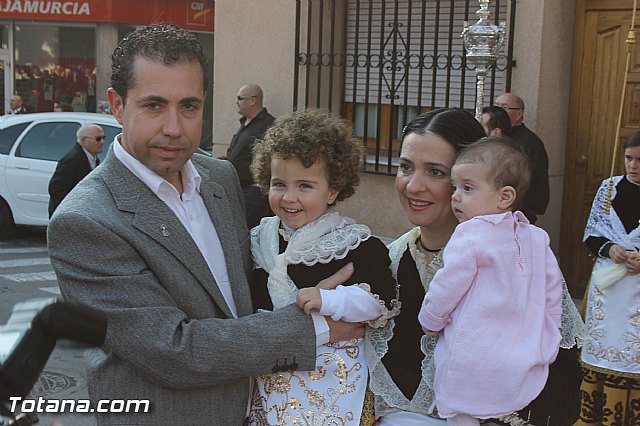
{"x":164,"y":230}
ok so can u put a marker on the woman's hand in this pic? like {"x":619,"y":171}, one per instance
{"x":618,"y":254}
{"x":429,"y":332}
{"x":633,"y":263}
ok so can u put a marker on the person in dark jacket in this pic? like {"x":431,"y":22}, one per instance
{"x":253,"y":125}
{"x":15,"y":105}
{"x":76,"y":164}
{"x":537,"y":198}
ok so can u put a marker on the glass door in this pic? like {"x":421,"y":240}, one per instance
{"x":5,"y":80}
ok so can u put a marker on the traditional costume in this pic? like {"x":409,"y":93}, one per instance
{"x":611,"y":359}
{"x":287,"y":260}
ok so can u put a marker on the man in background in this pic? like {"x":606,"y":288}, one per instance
{"x":537,"y":197}
{"x":496,"y":121}
{"x":76,"y":164}
{"x":254,"y":123}
{"x":15,"y":105}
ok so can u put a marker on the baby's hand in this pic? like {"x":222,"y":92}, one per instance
{"x":309,"y":299}
{"x":429,"y":332}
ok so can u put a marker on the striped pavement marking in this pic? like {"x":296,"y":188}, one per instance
{"x":54,"y":290}
{"x":17,"y":263}
{"x":31,"y":276}
{"x":23,"y":250}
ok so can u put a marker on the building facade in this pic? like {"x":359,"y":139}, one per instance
{"x":263,"y":50}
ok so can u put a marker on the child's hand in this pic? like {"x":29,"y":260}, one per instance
{"x":429,"y":332}
{"x":309,"y":299}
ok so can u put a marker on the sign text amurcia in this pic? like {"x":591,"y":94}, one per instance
{"x":45,"y":7}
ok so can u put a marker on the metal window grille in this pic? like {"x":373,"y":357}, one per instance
{"x":380,"y":63}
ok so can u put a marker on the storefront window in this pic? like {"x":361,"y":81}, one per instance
{"x":55,"y":63}
{"x":4,"y":36}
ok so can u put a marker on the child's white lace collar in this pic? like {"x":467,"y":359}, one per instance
{"x":330,"y":237}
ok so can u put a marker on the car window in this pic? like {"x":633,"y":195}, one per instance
{"x":48,"y":141}
{"x":9,"y":135}
{"x":110,"y":133}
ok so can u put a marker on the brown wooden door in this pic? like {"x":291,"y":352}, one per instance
{"x":599,"y":60}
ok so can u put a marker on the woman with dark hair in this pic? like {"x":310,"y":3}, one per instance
{"x":400,"y":356}
{"x":610,"y":391}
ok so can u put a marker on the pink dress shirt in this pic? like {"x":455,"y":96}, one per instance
{"x":499,"y":300}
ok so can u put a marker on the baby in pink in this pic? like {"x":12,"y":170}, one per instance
{"x":498,"y":297}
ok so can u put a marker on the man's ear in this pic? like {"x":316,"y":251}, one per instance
{"x":116,"y":103}
{"x":496,"y":132}
{"x":507,"y":197}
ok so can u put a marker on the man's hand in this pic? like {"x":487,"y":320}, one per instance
{"x":309,"y":299}
{"x":336,"y":279}
{"x":340,"y":330}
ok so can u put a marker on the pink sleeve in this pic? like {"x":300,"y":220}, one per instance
{"x":450,"y":284}
{"x":554,"y":288}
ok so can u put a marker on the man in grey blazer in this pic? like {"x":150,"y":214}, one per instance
{"x":156,"y":238}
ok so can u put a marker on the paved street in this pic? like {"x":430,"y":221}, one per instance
{"x":26,"y":273}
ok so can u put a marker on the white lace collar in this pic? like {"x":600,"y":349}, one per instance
{"x":328,"y":238}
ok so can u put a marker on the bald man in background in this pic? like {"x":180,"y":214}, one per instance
{"x":254,"y":123}
{"x":537,"y":197}
{"x":76,"y":164}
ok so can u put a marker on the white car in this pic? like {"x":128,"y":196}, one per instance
{"x":30,"y":147}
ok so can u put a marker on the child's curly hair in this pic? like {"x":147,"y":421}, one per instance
{"x":311,"y":136}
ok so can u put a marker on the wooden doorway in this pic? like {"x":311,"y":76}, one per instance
{"x":599,"y":60}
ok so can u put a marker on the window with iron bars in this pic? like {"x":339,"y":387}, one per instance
{"x":380,"y":63}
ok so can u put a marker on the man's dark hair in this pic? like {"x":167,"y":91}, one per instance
{"x":157,"y":42}
{"x":498,"y":119}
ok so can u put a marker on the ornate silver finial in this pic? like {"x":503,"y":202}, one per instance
{"x":483,"y":42}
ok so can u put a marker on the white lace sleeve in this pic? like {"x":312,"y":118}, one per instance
{"x":385,"y":314}
{"x":573,"y":330}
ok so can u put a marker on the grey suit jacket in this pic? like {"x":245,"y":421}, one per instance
{"x":171,"y":339}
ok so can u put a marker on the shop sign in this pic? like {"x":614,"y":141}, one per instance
{"x":192,"y":14}
{"x":79,"y":10}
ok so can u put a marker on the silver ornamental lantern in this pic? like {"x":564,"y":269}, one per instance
{"x":483,"y":42}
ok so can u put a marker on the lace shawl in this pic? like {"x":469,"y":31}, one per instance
{"x":609,"y":225}
{"x":328,"y":238}
{"x":388,"y":397}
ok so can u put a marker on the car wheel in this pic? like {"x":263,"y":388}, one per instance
{"x":6,"y":219}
